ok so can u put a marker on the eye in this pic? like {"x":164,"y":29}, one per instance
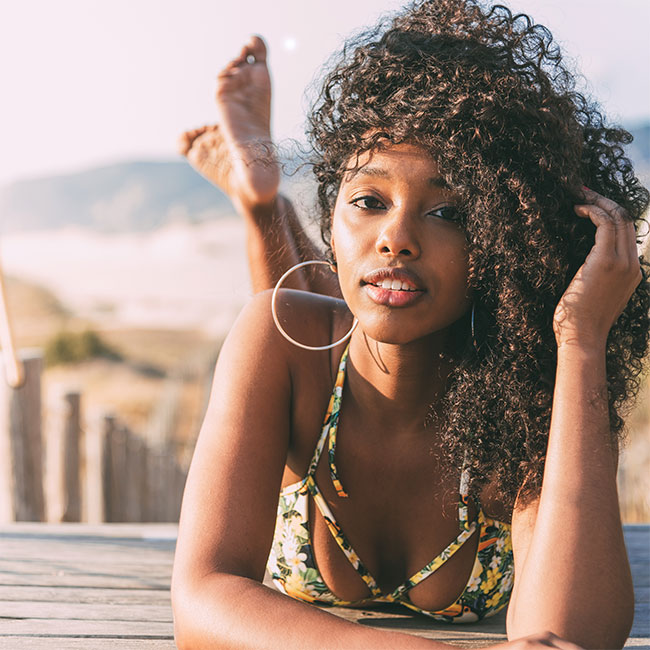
{"x":367,"y":203}
{"x":447,"y":212}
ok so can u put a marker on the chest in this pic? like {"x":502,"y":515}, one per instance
{"x":400,"y":513}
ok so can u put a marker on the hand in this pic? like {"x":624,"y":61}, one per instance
{"x":605,"y":282}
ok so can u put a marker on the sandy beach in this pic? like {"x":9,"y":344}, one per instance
{"x":181,"y":276}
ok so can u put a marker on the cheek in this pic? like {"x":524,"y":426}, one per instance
{"x":347,"y":250}
{"x":344,"y":240}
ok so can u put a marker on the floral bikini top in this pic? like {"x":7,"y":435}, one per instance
{"x":293,"y":568}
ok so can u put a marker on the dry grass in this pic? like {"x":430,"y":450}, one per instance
{"x":130,"y":389}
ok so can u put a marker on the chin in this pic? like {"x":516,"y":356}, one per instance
{"x":399,"y":328}
{"x":394,"y":334}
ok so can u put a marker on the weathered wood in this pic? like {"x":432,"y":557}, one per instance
{"x":83,"y":643}
{"x":21,"y":448}
{"x":134,"y":598}
{"x":92,"y":587}
{"x":58,"y":610}
{"x":95,"y":467}
{"x":108,"y":430}
{"x":135,"y":477}
{"x":99,"y":627}
{"x":63,"y":443}
{"x":114,"y":470}
{"x":72,"y":458}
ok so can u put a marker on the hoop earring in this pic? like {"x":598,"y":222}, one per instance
{"x":276,"y":320}
{"x":472,"y":323}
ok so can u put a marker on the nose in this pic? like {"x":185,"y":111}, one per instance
{"x":398,"y":236}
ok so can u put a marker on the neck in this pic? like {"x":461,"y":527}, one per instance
{"x":398,"y":384}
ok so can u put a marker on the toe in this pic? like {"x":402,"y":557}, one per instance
{"x":257,"y":47}
{"x":187,"y":139}
{"x":184,"y":143}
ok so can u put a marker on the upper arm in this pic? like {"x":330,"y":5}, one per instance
{"x":231,"y":495}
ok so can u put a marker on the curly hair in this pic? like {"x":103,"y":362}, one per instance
{"x":487,"y":93}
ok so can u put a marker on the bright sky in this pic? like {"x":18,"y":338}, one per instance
{"x":87,"y":82}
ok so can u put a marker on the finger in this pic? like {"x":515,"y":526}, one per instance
{"x":610,"y":232}
{"x":633,"y":251}
{"x":611,"y":207}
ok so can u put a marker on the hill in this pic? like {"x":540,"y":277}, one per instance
{"x":131,"y":196}
{"x":142,"y":196}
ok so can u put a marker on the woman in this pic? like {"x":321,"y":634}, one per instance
{"x":461,"y":452}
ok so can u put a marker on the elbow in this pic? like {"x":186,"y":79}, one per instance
{"x":207,"y":611}
{"x":592,"y":631}
{"x":189,"y":611}
{"x":181,"y":612}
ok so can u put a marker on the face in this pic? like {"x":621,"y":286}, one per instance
{"x":401,"y":255}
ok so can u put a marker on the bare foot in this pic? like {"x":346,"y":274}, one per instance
{"x":237,"y":155}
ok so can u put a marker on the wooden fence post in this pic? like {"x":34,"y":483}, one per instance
{"x":94,"y":470}
{"x":21,"y":448}
{"x":64,"y":458}
{"x":135,"y":473}
{"x":111,"y":474}
{"x":72,"y":459}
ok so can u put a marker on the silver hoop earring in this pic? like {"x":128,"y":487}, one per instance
{"x":472,"y":323}
{"x":277,"y":321}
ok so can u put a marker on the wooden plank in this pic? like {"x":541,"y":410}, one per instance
{"x":82,"y":580}
{"x":637,"y":542}
{"x":89,"y":587}
{"x":17,"y":609}
{"x":88,"y":629}
{"x":85,"y":595}
{"x":58,"y":642}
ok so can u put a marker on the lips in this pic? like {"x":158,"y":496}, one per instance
{"x":394,"y":287}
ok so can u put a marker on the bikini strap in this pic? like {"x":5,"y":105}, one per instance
{"x":463,"y":497}
{"x":437,"y":562}
{"x":330,"y":426}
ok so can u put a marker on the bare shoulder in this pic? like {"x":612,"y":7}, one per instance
{"x":311,"y":318}
{"x":260,"y":368}
{"x":299,"y":312}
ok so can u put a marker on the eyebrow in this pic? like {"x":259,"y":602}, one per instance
{"x":379,"y":172}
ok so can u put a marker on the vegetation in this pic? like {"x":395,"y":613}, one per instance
{"x":73,"y":347}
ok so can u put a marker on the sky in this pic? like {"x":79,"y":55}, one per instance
{"x":92,"y":82}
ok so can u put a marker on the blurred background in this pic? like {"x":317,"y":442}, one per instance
{"x":125,"y":268}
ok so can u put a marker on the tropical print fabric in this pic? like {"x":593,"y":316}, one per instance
{"x":293,"y":568}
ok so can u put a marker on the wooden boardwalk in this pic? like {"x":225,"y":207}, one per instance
{"x":74,"y":586}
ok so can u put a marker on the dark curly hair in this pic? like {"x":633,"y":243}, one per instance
{"x":487,"y":93}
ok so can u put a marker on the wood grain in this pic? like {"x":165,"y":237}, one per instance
{"x":74,"y":586}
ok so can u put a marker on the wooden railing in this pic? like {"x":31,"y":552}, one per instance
{"x":95,"y":469}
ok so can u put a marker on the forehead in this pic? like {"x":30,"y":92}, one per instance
{"x":393,"y":161}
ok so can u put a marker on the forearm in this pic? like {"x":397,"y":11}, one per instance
{"x":276,"y":241}
{"x":229,"y":611}
{"x":576,"y":578}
